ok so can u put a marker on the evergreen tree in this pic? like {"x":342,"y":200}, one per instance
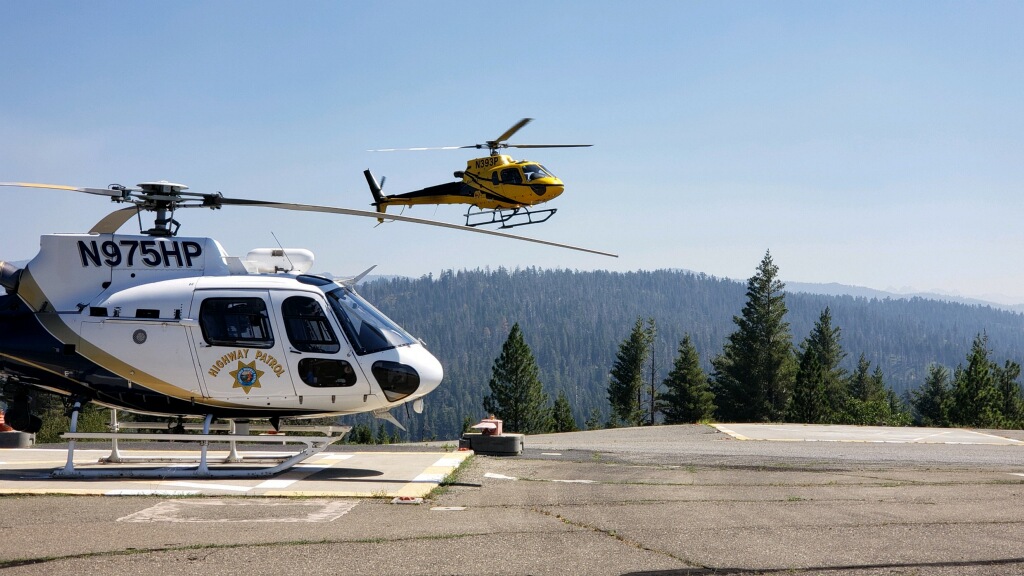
{"x":820,"y":391}
{"x":652,"y":395}
{"x":931,"y":401}
{"x":860,"y":381}
{"x":561,"y":415}
{"x":897,"y":412}
{"x":688,"y":396}
{"x":625,"y":387}
{"x":753,"y":376}
{"x":594,"y":421}
{"x":809,"y":404}
{"x":1011,"y":403}
{"x":975,"y":397}
{"x":517,"y":396}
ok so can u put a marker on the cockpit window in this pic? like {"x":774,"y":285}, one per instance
{"x":534,"y":171}
{"x":366,"y":328}
{"x":511,"y":176}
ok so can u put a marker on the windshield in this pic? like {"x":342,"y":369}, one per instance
{"x":534,"y":171}
{"x":366,"y":328}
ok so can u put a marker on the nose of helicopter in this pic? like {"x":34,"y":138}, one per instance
{"x":411,"y":373}
{"x":430,"y":370}
{"x":547,"y":188}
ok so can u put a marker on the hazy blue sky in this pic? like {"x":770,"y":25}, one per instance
{"x":879,"y":144}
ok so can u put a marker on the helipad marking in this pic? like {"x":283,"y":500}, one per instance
{"x":152,"y":493}
{"x":225,"y":487}
{"x":448,"y":462}
{"x":862,"y":434}
{"x":732,"y":433}
{"x":411,"y":477}
{"x":205,"y":511}
{"x":275,"y":484}
{"x":433,"y":476}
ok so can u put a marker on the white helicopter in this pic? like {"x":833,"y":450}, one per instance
{"x":166,"y":325}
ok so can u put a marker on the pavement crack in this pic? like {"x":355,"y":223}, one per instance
{"x":619,"y":537}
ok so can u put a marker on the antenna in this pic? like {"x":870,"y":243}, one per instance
{"x":283,"y":253}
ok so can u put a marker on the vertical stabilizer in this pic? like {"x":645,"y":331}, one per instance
{"x":378,"y":196}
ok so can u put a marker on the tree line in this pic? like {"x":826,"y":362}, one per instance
{"x":760,"y":376}
{"x":574,"y":322}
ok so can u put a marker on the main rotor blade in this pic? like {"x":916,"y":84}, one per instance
{"x":422,"y":148}
{"x":97,"y":191}
{"x":548,"y":145}
{"x":378,"y":215}
{"x":112,"y":222}
{"x":508,"y":133}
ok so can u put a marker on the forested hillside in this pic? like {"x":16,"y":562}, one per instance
{"x":574,"y":321}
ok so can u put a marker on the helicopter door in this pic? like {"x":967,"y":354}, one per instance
{"x":239,"y":353}
{"x":326,"y":371}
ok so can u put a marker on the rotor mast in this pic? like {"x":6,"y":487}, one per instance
{"x":161,"y":198}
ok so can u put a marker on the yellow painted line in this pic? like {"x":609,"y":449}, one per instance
{"x":433,"y":476}
{"x":735,"y":435}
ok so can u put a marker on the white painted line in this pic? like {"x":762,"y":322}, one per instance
{"x":499,"y":476}
{"x":152,"y":493}
{"x":447,"y":508}
{"x":448,"y":462}
{"x":206,"y":511}
{"x":922,"y":438}
{"x":576,"y":481}
{"x":999,"y":437}
{"x":229,"y":487}
{"x":1016,"y":474}
{"x":336,"y":456}
{"x":433,"y":478}
{"x":273,"y":484}
{"x":550,"y":453}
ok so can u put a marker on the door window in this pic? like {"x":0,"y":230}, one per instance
{"x":307,"y":326}
{"x":326,"y":372}
{"x":242,"y":322}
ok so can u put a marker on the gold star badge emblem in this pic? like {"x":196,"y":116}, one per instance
{"x":247,"y":376}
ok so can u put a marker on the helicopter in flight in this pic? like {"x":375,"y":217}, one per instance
{"x":502,"y":190}
{"x":167,"y":325}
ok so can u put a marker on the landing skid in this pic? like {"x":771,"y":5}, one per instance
{"x":509,"y":218}
{"x":207,"y":467}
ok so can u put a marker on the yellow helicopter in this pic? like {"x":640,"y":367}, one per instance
{"x":501,"y":189}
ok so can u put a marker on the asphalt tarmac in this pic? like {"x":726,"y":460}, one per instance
{"x":664,"y":500}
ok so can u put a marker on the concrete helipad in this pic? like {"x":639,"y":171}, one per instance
{"x":836,"y":433}
{"x":328,"y":474}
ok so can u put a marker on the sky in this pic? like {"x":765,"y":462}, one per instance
{"x":876,"y":144}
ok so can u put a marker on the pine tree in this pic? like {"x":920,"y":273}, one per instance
{"x":859,"y":384}
{"x":625,"y":387}
{"x":753,"y":376}
{"x":975,"y":399}
{"x":931,"y":401}
{"x":809,"y":404}
{"x":561,"y":415}
{"x":688,"y":396}
{"x":517,"y":396}
{"x":1011,"y":402}
{"x":820,"y":392}
{"x":594,"y":421}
